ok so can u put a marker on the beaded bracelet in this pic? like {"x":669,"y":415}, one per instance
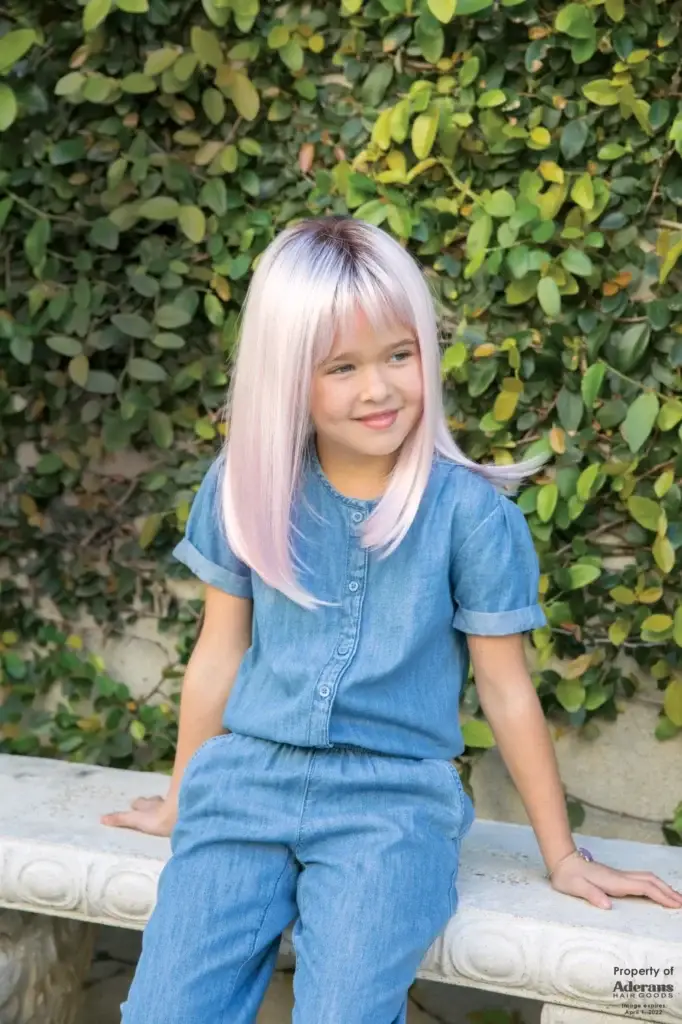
{"x":580,"y":851}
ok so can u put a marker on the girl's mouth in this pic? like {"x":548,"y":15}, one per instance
{"x":380,"y":420}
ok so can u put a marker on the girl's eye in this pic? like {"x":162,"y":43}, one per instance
{"x":402,"y":356}
{"x":341,"y":369}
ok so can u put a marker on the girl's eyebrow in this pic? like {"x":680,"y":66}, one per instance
{"x":348,"y":357}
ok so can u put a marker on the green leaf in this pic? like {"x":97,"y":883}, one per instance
{"x":64,"y":345}
{"x":105,"y":234}
{"x":206,"y":46}
{"x":582,"y":192}
{"x":150,"y":528}
{"x":193,"y":223}
{"x":214,"y":105}
{"x":640,"y":420}
{"x":22,"y":350}
{"x":159,"y":208}
{"x":601,"y":92}
{"x":672,"y":702}
{"x":577,"y":576}
{"x":292,"y":54}
{"x":95,"y":12}
{"x":146,"y":370}
{"x":444,"y":10}
{"x":549,"y":297}
{"x":500,"y":204}
{"x":133,"y":6}
{"x":424,"y":131}
{"x":214,"y":195}
{"x":573,"y":138}
{"x":8,"y":107}
{"x":244,"y":95}
{"x":430,"y":39}
{"x":165,"y":339}
{"x":548,"y":496}
{"x":159,"y":61}
{"x":161,"y":429}
{"x":585,"y":487}
{"x":591,"y":384}
{"x":138,"y":83}
{"x":677,"y":625}
{"x":467,"y":7}
{"x":670,"y":260}
{"x":492,"y":98}
{"x":101,"y":383}
{"x":14,"y":45}
{"x":577,"y":262}
{"x":216,"y":13}
{"x":35,"y":243}
{"x":49,"y":464}
{"x":631,"y":346}
{"x":521,"y":291}
{"x":132,"y":324}
{"x":571,"y":694}
{"x":570,"y":409}
{"x":644,"y":511}
{"x":79,"y":368}
{"x":377,"y":82}
{"x":664,"y":554}
{"x":477,"y":733}
{"x":468,"y":73}
{"x":170,"y":317}
{"x":576,"y":21}
{"x":67,"y":151}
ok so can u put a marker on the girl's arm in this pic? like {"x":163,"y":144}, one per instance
{"x":513,"y":710}
{"x":224,"y":638}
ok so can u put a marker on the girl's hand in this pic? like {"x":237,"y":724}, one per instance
{"x":154,"y":816}
{"x":595,"y":882}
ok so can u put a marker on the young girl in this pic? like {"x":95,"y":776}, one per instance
{"x":354,"y":560}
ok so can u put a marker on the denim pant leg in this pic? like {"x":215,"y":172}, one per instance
{"x":379,"y":846}
{"x":224,"y":897}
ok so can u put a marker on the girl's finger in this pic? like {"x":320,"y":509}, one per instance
{"x":585,"y":890}
{"x":673,"y":894}
{"x":142,"y":802}
{"x":653,"y":890}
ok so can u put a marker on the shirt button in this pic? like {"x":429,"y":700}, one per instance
{"x":343,"y":651}
{"x":353,"y":586}
{"x":324,"y":691}
{"x":358,"y":517}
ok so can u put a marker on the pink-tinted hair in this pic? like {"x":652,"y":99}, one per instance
{"x":309,"y":283}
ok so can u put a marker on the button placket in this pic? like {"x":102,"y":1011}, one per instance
{"x":327,"y":686}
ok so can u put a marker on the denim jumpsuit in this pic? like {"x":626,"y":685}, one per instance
{"x":332,"y":802}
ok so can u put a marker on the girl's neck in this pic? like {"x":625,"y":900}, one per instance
{"x":355,"y":475}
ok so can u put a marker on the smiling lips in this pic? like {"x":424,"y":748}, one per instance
{"x":379,"y":420}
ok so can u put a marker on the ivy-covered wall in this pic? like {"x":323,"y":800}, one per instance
{"x":528,"y":154}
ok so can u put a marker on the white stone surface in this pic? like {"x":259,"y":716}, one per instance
{"x":43,"y":963}
{"x":512,"y":933}
{"x":568,"y":1015}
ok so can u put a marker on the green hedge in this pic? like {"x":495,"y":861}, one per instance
{"x":529,"y":157}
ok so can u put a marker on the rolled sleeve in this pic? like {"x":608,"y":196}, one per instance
{"x":204,"y":549}
{"x":495,"y":576}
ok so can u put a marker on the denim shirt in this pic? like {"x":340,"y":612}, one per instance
{"x":384,"y":666}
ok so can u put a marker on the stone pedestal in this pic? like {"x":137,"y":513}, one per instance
{"x":43,"y":964}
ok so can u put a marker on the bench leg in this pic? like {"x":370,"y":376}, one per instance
{"x":553,"y":1014}
{"x":43,"y":964}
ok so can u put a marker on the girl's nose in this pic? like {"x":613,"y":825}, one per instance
{"x":374,"y":386}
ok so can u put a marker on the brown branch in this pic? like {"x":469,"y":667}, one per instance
{"x":604,"y":528}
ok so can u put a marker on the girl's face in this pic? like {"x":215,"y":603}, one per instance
{"x":367,"y":395}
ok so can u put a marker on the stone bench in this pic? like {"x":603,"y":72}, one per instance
{"x":62,"y":873}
